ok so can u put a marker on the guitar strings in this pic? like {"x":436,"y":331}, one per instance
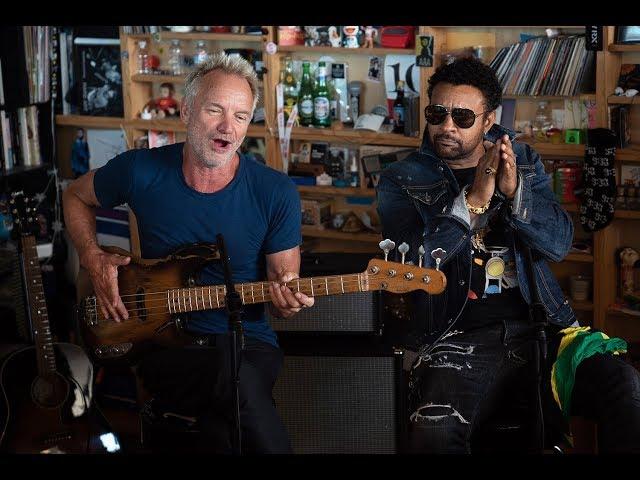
{"x":165,"y":308}
{"x":198,"y":291}
{"x":288,"y":284}
{"x":181,"y":299}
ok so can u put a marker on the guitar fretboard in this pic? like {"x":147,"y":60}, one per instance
{"x":211,"y":297}
{"x":38,"y":308}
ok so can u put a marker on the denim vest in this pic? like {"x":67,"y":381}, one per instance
{"x":420,"y":203}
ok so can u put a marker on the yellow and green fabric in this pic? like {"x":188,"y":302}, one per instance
{"x":577,"y":344}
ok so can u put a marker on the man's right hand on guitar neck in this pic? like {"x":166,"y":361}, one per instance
{"x":103,"y":270}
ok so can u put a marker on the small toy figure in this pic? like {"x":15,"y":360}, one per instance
{"x":166,"y":102}
{"x":80,"y":154}
{"x":161,"y":107}
{"x":629,"y":258}
{"x":351,"y":36}
{"x":370,"y":34}
{"x":334,"y":36}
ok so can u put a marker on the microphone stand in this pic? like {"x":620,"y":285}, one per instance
{"x":538,"y":316}
{"x":233,"y":304}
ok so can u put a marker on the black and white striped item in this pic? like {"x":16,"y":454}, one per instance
{"x":598,"y":180}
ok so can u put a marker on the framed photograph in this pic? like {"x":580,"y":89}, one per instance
{"x":424,"y":51}
{"x":375,"y":68}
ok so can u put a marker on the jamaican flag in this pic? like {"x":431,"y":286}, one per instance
{"x":577,"y":344}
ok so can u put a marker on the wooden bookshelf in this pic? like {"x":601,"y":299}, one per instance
{"x":339,"y":134}
{"x":628,"y":214}
{"x":87,"y":121}
{"x":558,"y":149}
{"x":586,"y":306}
{"x":579,"y":257}
{"x":629,"y":154}
{"x":347,"y":51}
{"x":210,"y":36}
{"x":345,"y":191}
{"x":309,"y":231}
{"x":624,"y":48}
{"x":158,"y":78}
{"x":176,"y":125}
{"x":622,"y":100}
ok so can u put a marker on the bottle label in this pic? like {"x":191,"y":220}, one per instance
{"x":321,"y":108}
{"x":306,"y":107}
{"x":399,"y":113}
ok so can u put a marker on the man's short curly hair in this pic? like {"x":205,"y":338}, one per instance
{"x":470,"y":71}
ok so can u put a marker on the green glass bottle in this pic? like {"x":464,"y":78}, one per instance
{"x":321,"y":99}
{"x":305,"y":97}
{"x":289,"y":89}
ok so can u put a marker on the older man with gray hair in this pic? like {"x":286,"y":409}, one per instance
{"x":190,"y":192}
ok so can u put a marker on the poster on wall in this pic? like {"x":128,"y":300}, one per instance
{"x":104,"y":144}
{"x":401,"y":67}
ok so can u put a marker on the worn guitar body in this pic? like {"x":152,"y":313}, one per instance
{"x":107,"y":341}
{"x":38,"y":409}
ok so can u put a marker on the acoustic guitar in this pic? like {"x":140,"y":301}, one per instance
{"x":47,"y":409}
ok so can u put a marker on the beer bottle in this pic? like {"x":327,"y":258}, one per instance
{"x":321,"y":99}
{"x":305,"y":97}
{"x":289,"y":89}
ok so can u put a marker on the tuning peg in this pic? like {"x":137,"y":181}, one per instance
{"x":386,"y":246}
{"x":438,"y":254}
{"x":403,"y":249}
{"x":421,"y":253}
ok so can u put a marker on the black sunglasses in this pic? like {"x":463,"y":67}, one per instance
{"x":462,"y":117}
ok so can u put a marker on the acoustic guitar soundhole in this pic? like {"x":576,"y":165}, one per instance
{"x":50,"y":391}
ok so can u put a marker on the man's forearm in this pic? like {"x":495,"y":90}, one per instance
{"x":80,"y":220}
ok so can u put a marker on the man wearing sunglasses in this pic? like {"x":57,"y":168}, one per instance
{"x":480,"y":202}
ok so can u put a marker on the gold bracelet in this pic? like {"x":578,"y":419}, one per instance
{"x":476,"y":210}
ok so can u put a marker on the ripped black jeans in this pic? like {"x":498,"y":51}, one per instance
{"x":456,"y":386}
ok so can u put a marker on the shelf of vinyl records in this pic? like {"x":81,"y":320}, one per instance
{"x":537,"y":98}
{"x":227,"y":37}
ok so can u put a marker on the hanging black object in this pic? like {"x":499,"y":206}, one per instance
{"x":599,"y":182}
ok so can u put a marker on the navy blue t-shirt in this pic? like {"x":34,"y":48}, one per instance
{"x":258,"y":213}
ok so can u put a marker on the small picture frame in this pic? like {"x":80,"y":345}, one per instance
{"x":375,"y":69}
{"x":424,"y":51}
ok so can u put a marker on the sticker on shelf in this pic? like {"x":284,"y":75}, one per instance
{"x":271,"y":48}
